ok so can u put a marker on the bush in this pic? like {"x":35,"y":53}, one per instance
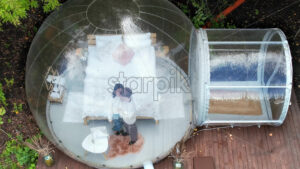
{"x":18,"y":108}
{"x":9,"y":83}
{"x":200,"y":14}
{"x":16,"y":155}
{"x":50,"y":5}
{"x":2,"y":112}
{"x":12,"y":11}
{"x":2,"y":97}
{"x":3,"y":104}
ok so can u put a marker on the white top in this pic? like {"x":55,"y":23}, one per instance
{"x":128,"y":112}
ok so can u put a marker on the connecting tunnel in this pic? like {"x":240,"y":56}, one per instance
{"x":242,"y":76}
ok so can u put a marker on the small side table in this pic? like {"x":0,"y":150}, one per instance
{"x":97,"y":141}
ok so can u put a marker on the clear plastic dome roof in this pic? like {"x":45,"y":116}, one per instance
{"x":84,"y":63}
{"x":116,"y":83}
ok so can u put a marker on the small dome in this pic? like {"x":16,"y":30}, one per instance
{"x":100,"y":67}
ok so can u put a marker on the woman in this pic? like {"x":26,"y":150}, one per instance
{"x":114,"y":115}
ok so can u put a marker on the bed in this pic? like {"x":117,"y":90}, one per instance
{"x":100,"y":76}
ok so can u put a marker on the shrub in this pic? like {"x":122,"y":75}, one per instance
{"x":2,"y":112}
{"x":50,"y":5}
{"x":9,"y":83}
{"x":18,"y":108}
{"x":2,"y":97}
{"x":12,"y":11}
{"x":200,"y":14}
{"x":16,"y":155}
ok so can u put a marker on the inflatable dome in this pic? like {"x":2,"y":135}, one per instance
{"x":116,"y":83}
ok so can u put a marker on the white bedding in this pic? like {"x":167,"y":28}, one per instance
{"x":101,"y":67}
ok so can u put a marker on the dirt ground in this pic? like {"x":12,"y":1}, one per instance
{"x":15,"y":43}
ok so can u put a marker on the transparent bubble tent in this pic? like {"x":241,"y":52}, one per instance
{"x":116,"y":83}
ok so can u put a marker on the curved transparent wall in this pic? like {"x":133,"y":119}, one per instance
{"x":107,"y":80}
{"x":246,"y":76}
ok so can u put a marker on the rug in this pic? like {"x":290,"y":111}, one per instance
{"x":236,"y":107}
{"x":235,"y":102}
{"x":118,"y":145}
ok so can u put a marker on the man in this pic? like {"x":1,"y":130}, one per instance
{"x":128,"y":114}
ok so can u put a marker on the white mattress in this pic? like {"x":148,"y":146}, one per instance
{"x":101,"y":67}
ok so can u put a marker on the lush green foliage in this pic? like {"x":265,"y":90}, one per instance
{"x":3,"y":104}
{"x":2,"y":97}
{"x":221,"y":24}
{"x":2,"y":112}
{"x":50,"y":5}
{"x":200,"y":14}
{"x":16,"y":155}
{"x":9,"y":83}
{"x":18,"y":108}
{"x":12,"y":11}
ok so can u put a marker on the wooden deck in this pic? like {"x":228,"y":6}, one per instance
{"x":235,"y":148}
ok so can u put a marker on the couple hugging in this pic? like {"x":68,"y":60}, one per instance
{"x":123,"y":113}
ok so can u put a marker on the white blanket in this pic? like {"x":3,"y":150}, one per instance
{"x":101,"y":67}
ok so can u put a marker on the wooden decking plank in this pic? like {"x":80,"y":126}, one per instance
{"x":206,"y":142}
{"x":236,"y":149}
{"x":292,"y":130}
{"x":288,"y":162}
{"x":216,"y":151}
{"x":295,"y":113}
{"x":248,"y":149}
{"x":278,"y":146}
{"x":193,"y":147}
{"x":272,"y":145}
{"x":253,"y":147}
{"x":230,"y":152}
{"x":289,"y":132}
{"x":224,"y":147}
{"x":265,"y":147}
{"x":210,"y":143}
{"x":294,"y":139}
{"x":228,"y":140}
{"x":260,"y":147}
{"x":283,"y":150}
{"x":200,"y":140}
{"x":244,"y":149}
{"x":233,"y":150}
{"x":295,"y":117}
{"x":221,"y":145}
{"x":242,"y":144}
